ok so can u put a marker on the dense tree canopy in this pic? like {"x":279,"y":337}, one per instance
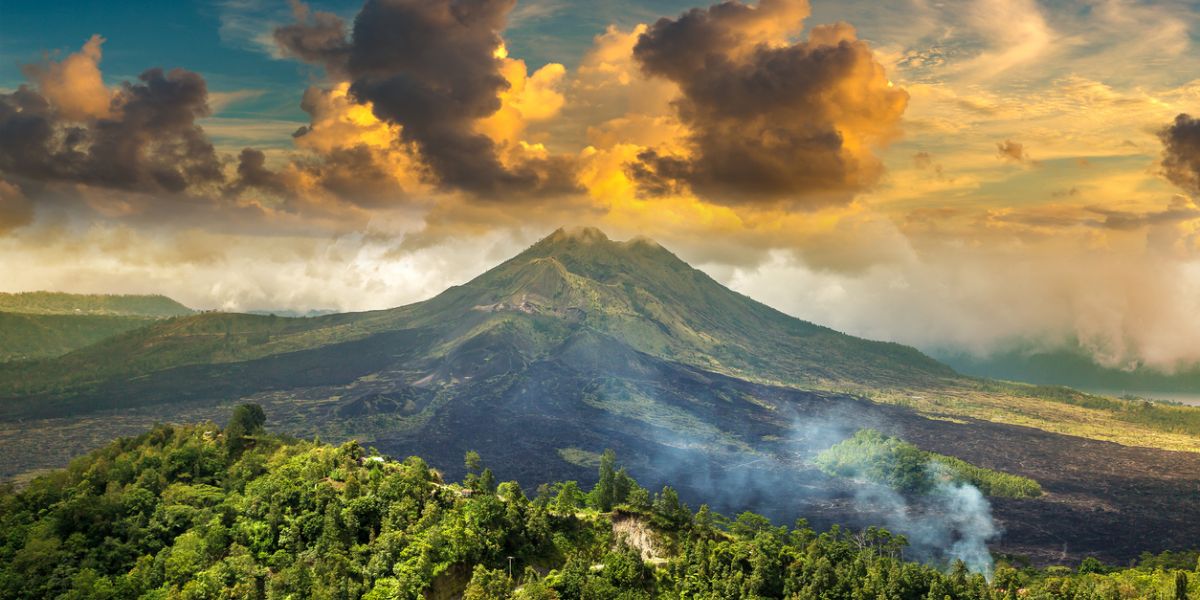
{"x":179,"y":513}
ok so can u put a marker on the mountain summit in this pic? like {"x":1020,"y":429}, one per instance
{"x":641,"y":294}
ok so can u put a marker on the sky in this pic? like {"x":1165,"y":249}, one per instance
{"x":977,"y":176}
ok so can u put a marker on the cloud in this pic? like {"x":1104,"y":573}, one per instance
{"x":1180,"y":210}
{"x":75,"y":85}
{"x":1016,"y":34}
{"x":1014,"y":152}
{"x":149,"y":143}
{"x":219,"y":101}
{"x":1129,"y":295}
{"x":252,"y":173}
{"x":315,"y":37}
{"x":436,"y":70}
{"x":1181,"y":153}
{"x":770,"y":121}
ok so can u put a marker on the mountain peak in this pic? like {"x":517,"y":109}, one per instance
{"x":591,"y":239}
{"x":585,"y":234}
{"x":580,"y":233}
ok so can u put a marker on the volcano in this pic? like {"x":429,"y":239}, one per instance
{"x":581,"y":343}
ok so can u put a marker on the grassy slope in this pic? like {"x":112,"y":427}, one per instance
{"x":36,"y":325}
{"x":30,"y":336}
{"x":57,"y":303}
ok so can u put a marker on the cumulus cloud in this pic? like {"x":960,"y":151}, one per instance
{"x":770,"y":121}
{"x":436,"y":69}
{"x":75,"y":85}
{"x":1181,"y":153}
{"x":315,"y":36}
{"x":148,"y":141}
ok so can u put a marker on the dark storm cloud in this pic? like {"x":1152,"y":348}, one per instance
{"x":316,"y":37}
{"x":150,"y":143}
{"x":355,"y":174}
{"x":771,"y":121}
{"x":252,"y":173}
{"x":1181,"y":153}
{"x":430,"y":67}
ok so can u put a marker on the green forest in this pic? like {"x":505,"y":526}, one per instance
{"x":237,"y":512}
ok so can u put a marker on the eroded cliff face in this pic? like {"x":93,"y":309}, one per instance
{"x":638,"y":533}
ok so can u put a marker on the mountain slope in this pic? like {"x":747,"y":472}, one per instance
{"x":30,"y":336}
{"x":37,"y":325}
{"x":635,"y":291}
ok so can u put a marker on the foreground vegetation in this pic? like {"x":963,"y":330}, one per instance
{"x":896,"y":463}
{"x":201,"y":512}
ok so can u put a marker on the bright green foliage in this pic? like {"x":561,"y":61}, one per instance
{"x":488,"y":584}
{"x":873,"y":456}
{"x":174,"y":514}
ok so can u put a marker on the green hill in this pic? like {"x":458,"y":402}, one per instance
{"x":57,"y":303}
{"x":35,"y":325}
{"x":29,"y":336}
{"x":206,"y":512}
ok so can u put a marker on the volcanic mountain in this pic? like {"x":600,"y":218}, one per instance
{"x":581,"y":343}
{"x":575,"y":293}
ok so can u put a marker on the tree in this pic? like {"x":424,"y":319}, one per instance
{"x":604,"y":495}
{"x":472,"y":461}
{"x":567,"y":500}
{"x":247,"y":420}
{"x":487,"y":481}
{"x":1181,"y":585}
{"x":487,"y":584}
{"x":638,"y":498}
{"x":669,"y":510}
{"x":1090,"y":565}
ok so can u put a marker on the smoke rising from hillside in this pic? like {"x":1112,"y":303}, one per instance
{"x":951,"y":522}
